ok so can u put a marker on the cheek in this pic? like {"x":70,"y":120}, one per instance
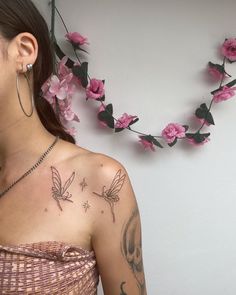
{"x":7,"y":80}
{"x":7,"y":76}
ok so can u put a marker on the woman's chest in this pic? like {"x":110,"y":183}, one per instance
{"x":45,"y":211}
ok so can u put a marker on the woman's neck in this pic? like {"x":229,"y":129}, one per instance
{"x":21,"y":142}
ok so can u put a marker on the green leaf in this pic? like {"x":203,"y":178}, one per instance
{"x":82,"y":73}
{"x":109,"y":108}
{"x":189,"y":135}
{"x":107,"y":118}
{"x":157,"y":143}
{"x":200,"y":113}
{"x":219,"y":68}
{"x":118,"y":129}
{"x":198,"y":137}
{"x":203,"y":113}
{"x":110,"y":122}
{"x":216,"y":90}
{"x":101,"y":98}
{"x":150,"y":138}
{"x":209,"y":119}
{"x":102,"y":115}
{"x":186,"y":127}
{"x":134,"y":121}
{"x":173,"y":143}
{"x":232,"y":83}
{"x":204,"y":106}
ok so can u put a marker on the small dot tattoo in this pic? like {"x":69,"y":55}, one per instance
{"x":86,"y":206}
{"x":83,"y":184}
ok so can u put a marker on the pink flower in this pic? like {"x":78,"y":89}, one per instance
{"x":72,"y":131}
{"x":96,"y":89}
{"x":228,"y":49}
{"x":66,"y":112}
{"x":224,"y":94}
{"x":63,"y":70}
{"x":173,"y":131}
{"x":61,"y":88}
{"x":124,"y":121}
{"x":76,"y":39}
{"x":100,"y":109}
{"x":214,"y":71}
{"x":193,"y":142}
{"x":146,"y":144}
{"x":69,"y":114}
{"x":46,"y":94}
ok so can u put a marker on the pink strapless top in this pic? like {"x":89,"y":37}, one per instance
{"x":47,"y":268}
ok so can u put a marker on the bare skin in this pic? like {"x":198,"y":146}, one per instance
{"x":75,"y":196}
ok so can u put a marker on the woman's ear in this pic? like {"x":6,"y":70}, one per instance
{"x":26,"y":50}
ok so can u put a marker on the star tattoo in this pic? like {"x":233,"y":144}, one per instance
{"x":86,"y":206}
{"x":83,"y":184}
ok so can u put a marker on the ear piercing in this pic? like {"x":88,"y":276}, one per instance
{"x":29,"y":67}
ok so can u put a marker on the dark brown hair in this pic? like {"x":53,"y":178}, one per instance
{"x":18,"y":16}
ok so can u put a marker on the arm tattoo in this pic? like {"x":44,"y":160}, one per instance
{"x":111,"y":195}
{"x":121,"y":289}
{"x":131,"y":247}
{"x":59,"y":192}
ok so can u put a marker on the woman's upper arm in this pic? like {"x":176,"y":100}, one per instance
{"x":117,"y":231}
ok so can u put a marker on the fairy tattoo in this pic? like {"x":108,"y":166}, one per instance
{"x":60,"y":192}
{"x":111,"y":195}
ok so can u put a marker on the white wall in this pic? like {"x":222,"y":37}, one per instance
{"x":152,"y":55}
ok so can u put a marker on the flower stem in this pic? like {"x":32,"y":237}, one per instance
{"x":53,"y":54}
{"x":53,"y":31}
{"x":221,"y":82}
{"x":129,"y":128}
{"x":63,"y":22}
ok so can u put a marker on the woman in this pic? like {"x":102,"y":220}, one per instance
{"x":67,"y":214}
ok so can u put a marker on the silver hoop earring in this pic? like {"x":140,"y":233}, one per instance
{"x":29,"y":68}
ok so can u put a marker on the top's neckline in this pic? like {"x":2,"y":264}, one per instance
{"x":45,"y":242}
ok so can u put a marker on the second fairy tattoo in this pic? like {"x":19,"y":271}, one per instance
{"x":111,"y":195}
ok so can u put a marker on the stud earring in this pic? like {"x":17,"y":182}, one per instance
{"x":29,"y":67}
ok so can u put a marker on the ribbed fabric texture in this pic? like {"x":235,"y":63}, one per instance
{"x":47,"y":268}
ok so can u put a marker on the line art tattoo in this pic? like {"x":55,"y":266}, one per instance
{"x":121,"y":288}
{"x":60,"y":192}
{"x":86,"y":206}
{"x":83,"y":184}
{"x":111,"y":195}
{"x":131,"y":247}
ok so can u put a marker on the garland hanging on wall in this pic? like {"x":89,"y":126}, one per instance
{"x":71,"y":76}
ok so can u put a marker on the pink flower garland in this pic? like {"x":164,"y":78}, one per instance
{"x":71,"y":76}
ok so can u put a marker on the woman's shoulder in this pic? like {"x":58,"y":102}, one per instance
{"x":101,"y":189}
{"x":92,"y":163}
